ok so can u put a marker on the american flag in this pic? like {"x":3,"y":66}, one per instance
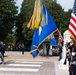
{"x":72,"y":24}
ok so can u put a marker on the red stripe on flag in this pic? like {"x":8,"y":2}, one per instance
{"x":73,"y":25}
{"x":72,"y":29}
{"x":72,"y":33}
{"x":73,"y":18}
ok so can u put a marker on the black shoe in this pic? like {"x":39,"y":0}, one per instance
{"x":59,"y":59}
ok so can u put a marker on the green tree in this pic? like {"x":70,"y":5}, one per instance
{"x":8,"y":12}
{"x":22,"y":32}
{"x":66,"y":20}
{"x":56,"y":12}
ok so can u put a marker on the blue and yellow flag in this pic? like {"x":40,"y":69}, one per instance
{"x":43,"y":26}
{"x":36,"y":17}
{"x":35,"y":43}
{"x":53,"y":41}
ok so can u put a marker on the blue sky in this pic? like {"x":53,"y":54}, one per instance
{"x":66,"y":4}
{"x":19,"y":2}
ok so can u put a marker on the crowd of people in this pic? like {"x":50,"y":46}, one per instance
{"x":70,"y":53}
{"x":20,"y":47}
{"x":71,"y":56}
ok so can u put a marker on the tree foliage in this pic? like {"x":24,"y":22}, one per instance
{"x":8,"y":12}
{"x":66,"y":20}
{"x":22,"y":32}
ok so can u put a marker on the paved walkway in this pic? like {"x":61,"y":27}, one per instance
{"x":18,"y":64}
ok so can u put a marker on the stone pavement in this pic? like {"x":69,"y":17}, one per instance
{"x":18,"y":64}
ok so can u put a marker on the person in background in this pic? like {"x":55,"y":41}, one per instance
{"x":9,"y":47}
{"x":60,"y":52}
{"x":67,"y":52}
{"x":12,"y":47}
{"x":47,"y":48}
{"x":2,"y":50}
{"x":22,"y":48}
{"x":70,"y":48}
{"x":72,"y":67}
{"x":19,"y":47}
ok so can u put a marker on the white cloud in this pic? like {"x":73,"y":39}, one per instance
{"x":66,"y":4}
